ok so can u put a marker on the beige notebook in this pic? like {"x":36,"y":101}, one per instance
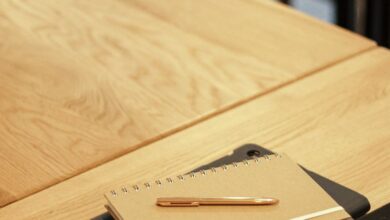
{"x":273,"y":176}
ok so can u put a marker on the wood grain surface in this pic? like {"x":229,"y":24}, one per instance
{"x":82,"y":82}
{"x":260,"y":28}
{"x":335,"y":122}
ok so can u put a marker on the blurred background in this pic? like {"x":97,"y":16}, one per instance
{"x":370,"y":18}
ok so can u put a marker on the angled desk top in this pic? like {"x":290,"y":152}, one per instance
{"x":83,"y":83}
{"x":335,"y":122}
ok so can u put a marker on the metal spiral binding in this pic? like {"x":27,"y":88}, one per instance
{"x":224,"y":167}
{"x":168,"y":180}
{"x":124,"y":189}
{"x":136,"y":187}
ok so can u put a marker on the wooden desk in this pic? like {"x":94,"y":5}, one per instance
{"x":335,"y":122}
{"x":82,"y":86}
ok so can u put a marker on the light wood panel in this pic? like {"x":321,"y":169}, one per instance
{"x":257,"y":27}
{"x":335,"y":122}
{"x":83,"y":82}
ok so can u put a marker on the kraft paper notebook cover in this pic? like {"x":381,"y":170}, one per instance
{"x":273,"y":176}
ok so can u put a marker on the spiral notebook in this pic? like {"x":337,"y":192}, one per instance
{"x":273,"y":176}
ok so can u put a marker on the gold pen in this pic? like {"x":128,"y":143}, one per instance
{"x":194,"y":202}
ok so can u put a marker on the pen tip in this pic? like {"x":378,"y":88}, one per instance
{"x":267,"y":201}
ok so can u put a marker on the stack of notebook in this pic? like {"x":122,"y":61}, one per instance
{"x":276,"y":176}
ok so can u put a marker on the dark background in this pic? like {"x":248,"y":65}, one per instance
{"x":370,"y":18}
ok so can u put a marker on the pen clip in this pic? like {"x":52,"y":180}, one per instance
{"x":164,"y":203}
